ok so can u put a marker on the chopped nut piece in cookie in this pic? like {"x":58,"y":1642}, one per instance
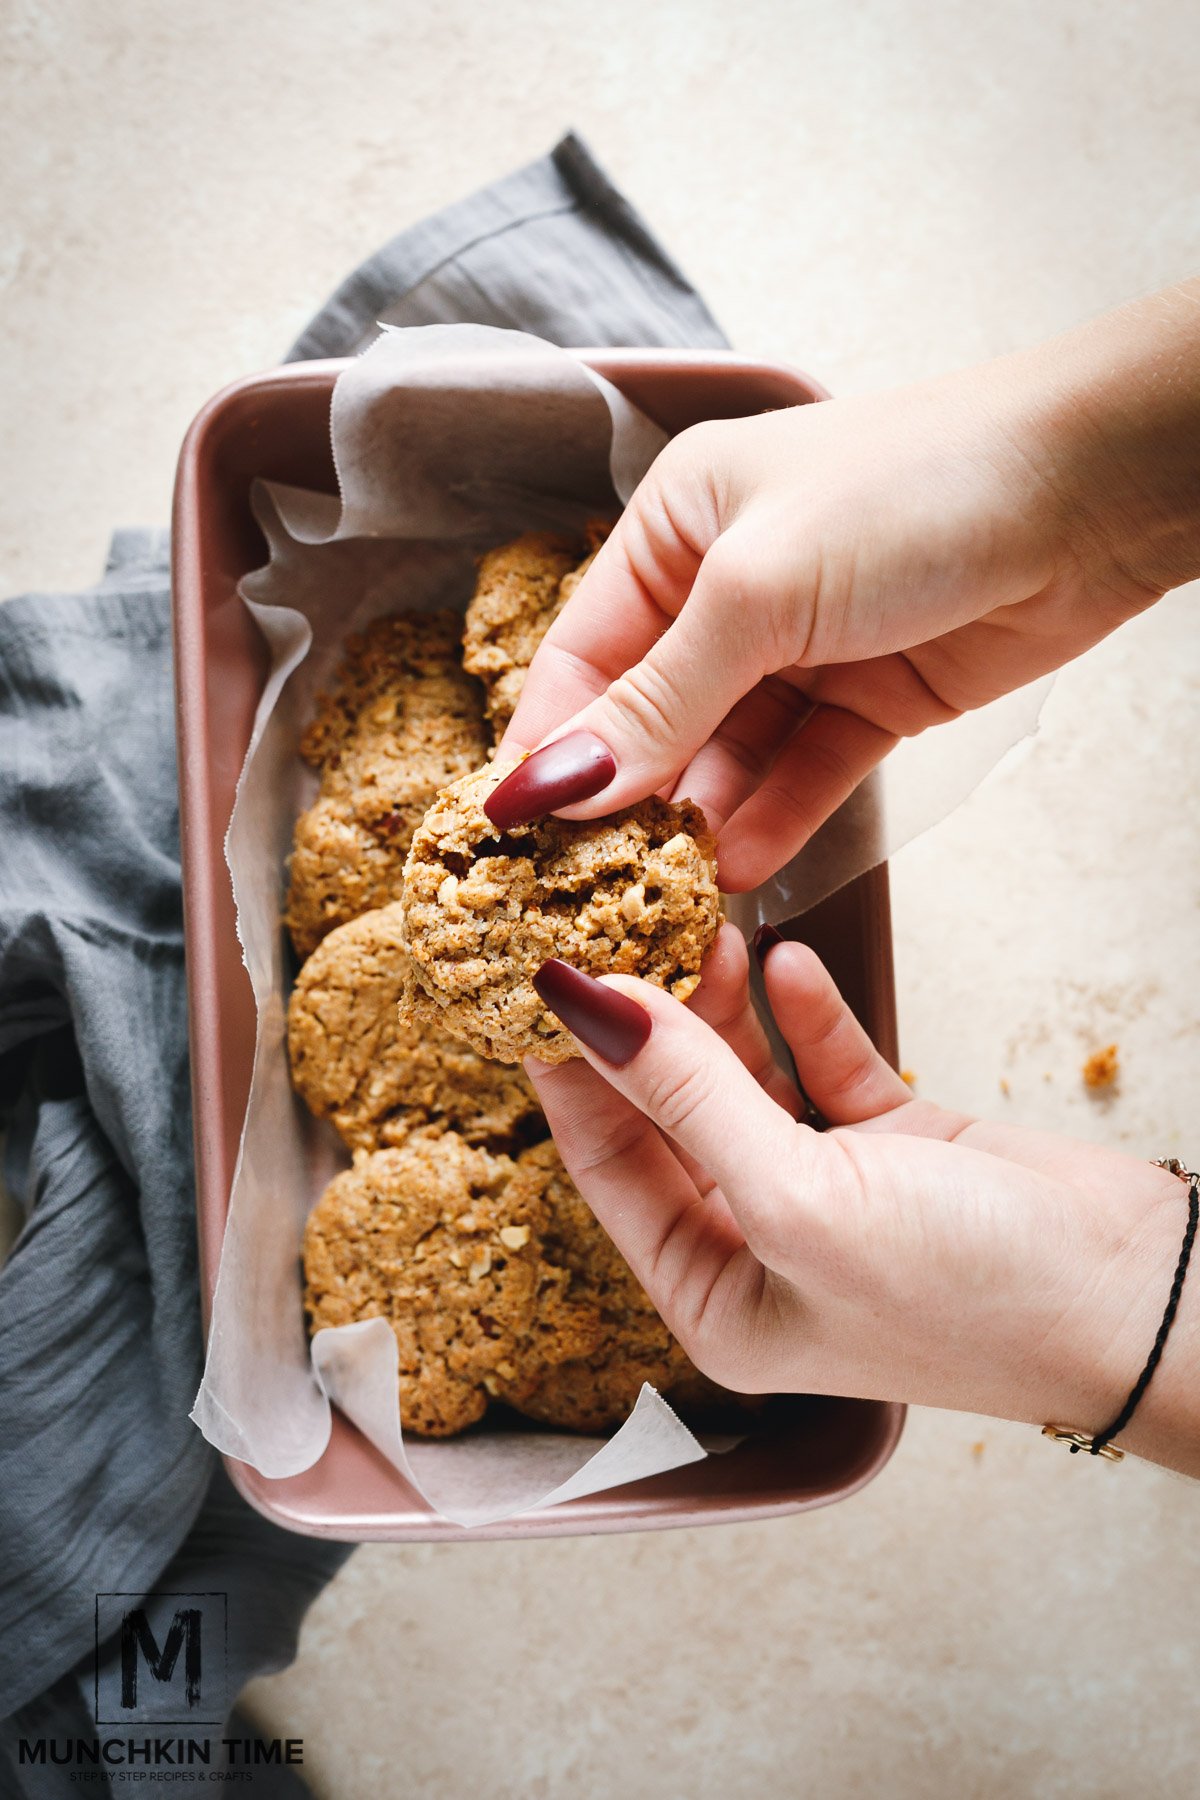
{"x":633,"y":902}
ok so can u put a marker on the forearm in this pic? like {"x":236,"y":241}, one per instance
{"x":1115,"y":419}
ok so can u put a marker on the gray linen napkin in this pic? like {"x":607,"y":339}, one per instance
{"x":105,"y":1486}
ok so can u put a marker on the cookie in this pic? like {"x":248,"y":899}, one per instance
{"x":427,"y":732}
{"x":410,"y":657}
{"x":377,"y":1080}
{"x":402,"y":721}
{"x":429,"y":1237}
{"x":632,"y":894}
{"x":337,"y":870}
{"x":521,"y":589}
{"x":596,"y":1392}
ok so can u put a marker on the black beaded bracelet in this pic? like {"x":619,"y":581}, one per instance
{"x":1101,"y":1444}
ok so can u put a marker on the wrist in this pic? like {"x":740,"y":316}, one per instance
{"x":1120,"y":1310}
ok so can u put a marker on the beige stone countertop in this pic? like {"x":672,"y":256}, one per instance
{"x":875,"y":190}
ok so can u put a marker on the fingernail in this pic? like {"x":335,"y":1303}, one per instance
{"x":765,"y":939}
{"x":572,"y":768}
{"x":611,"y":1024}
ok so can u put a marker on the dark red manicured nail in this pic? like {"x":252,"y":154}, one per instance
{"x":572,"y":768}
{"x":765,"y":938}
{"x":611,"y":1024}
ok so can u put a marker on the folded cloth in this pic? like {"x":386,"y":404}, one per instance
{"x":553,"y":249}
{"x":105,"y":1486}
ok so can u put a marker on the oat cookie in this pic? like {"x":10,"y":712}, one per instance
{"x":376,"y":1079}
{"x":595,"y":1392}
{"x":429,"y":732}
{"x":429,"y":1237}
{"x":521,"y":589}
{"x":632,"y":894}
{"x":410,"y":658}
{"x":338,"y":869}
{"x":402,"y":721}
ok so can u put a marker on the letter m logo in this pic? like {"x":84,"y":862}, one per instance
{"x":161,"y":1657}
{"x":137,"y":1643}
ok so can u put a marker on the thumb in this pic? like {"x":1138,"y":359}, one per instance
{"x":637,"y":672}
{"x":657,"y":713}
{"x":689,"y":1083}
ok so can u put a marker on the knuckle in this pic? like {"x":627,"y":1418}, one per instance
{"x":697,"y":444}
{"x":725,"y":1008}
{"x":701,"y":1336}
{"x":779,"y":1212}
{"x":721,"y":1361}
{"x":787,"y":619}
{"x":794,"y":816}
{"x":787,"y":699}
{"x":768,"y":1231}
{"x":857,"y":1070}
{"x":607,"y":1141}
{"x":740,"y":736}
{"x":734,"y":575}
{"x":677,"y":1094}
{"x":829,"y":762}
{"x":649,"y":699}
{"x":751,"y":760}
{"x":720,"y":1347}
{"x":678,"y":485}
{"x":824,"y":1019}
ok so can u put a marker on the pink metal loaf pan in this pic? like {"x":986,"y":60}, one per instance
{"x":811,"y":1450}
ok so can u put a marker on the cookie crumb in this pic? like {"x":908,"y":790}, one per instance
{"x":909,"y":1077}
{"x":977,"y":1448}
{"x":1101,"y":1068}
{"x":1004,"y":1087}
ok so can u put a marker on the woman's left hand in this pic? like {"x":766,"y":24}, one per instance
{"x":908,"y":1253}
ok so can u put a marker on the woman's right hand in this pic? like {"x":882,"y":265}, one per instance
{"x":787,"y":595}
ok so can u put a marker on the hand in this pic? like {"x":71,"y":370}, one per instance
{"x":908,"y":1253}
{"x":787,"y":595}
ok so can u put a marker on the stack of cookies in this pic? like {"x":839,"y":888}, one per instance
{"x":457,"y":1221}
